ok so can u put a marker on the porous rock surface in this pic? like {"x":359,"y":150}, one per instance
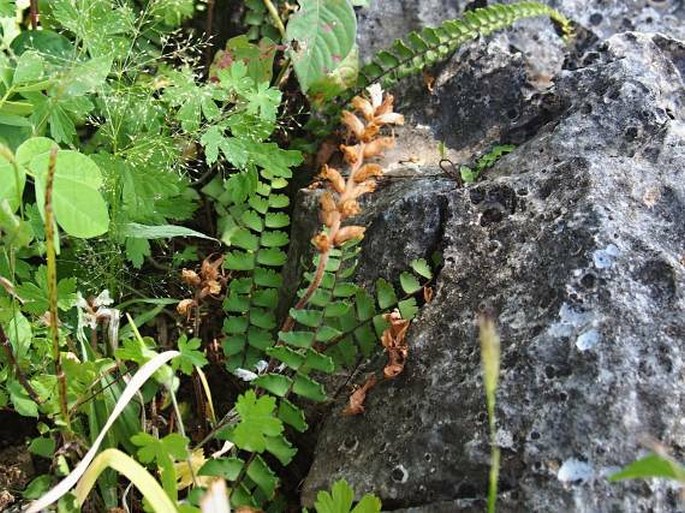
{"x":577,"y":241}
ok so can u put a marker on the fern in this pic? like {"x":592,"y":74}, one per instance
{"x":428,"y":46}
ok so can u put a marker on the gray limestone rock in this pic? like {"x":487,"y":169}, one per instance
{"x":577,"y":241}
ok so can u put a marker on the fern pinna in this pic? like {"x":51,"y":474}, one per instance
{"x":428,"y":46}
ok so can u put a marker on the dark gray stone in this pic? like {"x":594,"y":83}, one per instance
{"x":577,"y":241}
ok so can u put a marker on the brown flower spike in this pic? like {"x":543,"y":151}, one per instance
{"x":339,"y":201}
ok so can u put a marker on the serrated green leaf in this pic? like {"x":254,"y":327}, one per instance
{"x":233,"y":345}
{"x":410,"y":284}
{"x":228,"y":468}
{"x":311,"y":318}
{"x":277,"y":384}
{"x":277,"y":220}
{"x":365,"y":305}
{"x":252,"y":220}
{"x":262,"y":476}
{"x":237,"y":303}
{"x":259,"y":338}
{"x":263,"y":319}
{"x":421,"y":267}
{"x":345,"y":289}
{"x":272,"y":257}
{"x":261,"y":205}
{"x":267,"y":298}
{"x":279,"y":201}
{"x":235,"y":325}
{"x":327,"y":333}
{"x":336,"y":309}
{"x":281,"y":449}
{"x":306,"y":387}
{"x":239,"y":261}
{"x":303,"y":339}
{"x":385,"y":294}
{"x":318,"y":361}
{"x":256,"y":421}
{"x":408,"y":308}
{"x":267,"y":278}
{"x":243,"y":239}
{"x":292,"y":415}
{"x":288,"y":356}
{"x":320,"y":298}
{"x":274,"y":239}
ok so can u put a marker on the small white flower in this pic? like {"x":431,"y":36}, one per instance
{"x":376,"y":94}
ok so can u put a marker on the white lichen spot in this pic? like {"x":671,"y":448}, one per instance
{"x":574,"y":471}
{"x":604,"y":258}
{"x":504,"y":439}
{"x":588,"y":340}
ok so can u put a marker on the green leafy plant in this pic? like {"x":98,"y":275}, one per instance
{"x":470,"y":175}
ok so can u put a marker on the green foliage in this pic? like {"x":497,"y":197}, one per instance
{"x":426,"y":47}
{"x":321,"y":36}
{"x":486,"y":161}
{"x":340,"y":500}
{"x":652,"y":465}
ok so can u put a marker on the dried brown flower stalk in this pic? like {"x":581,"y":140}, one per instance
{"x":340,"y":200}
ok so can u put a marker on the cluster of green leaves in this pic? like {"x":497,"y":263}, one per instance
{"x":470,"y":175}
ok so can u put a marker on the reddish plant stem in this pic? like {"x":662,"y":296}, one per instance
{"x":33,"y":10}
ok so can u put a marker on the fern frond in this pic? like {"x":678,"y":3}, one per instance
{"x":430,"y":45}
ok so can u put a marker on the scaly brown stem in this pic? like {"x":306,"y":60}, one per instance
{"x":52,"y":287}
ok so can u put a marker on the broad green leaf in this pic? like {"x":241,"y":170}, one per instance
{"x":275,"y":239}
{"x":256,"y":422}
{"x":336,"y":309}
{"x":267,"y":298}
{"x":191,"y":356}
{"x":652,"y":465}
{"x":321,"y":35}
{"x":244,"y":239}
{"x":277,"y":384}
{"x":42,"y":446}
{"x":264,"y":319}
{"x":30,"y":68}
{"x":366,"y":339}
{"x":78,"y":205}
{"x":343,"y":77}
{"x":259,"y":338}
{"x":20,"y":399}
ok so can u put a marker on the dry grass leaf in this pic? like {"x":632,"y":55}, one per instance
{"x":355,"y":405}
{"x":428,"y":293}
